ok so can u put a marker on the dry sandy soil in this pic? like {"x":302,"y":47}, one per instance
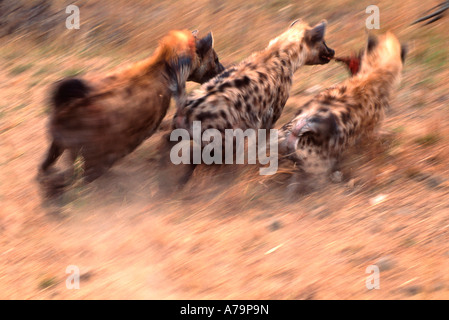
{"x":230,"y":233}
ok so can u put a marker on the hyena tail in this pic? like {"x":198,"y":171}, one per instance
{"x":178,"y":72}
{"x":68,"y":90}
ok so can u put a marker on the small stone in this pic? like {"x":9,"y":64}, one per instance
{"x":275,"y":225}
{"x":86,"y":276}
{"x":421,"y":177}
{"x":324,"y":213}
{"x":433,"y":182}
{"x":351,"y":184}
{"x":437,"y":286}
{"x":314,"y":89}
{"x":263,"y":216}
{"x":413,"y":290}
{"x":376,"y":228}
{"x":443,"y":98}
{"x":385,"y":263}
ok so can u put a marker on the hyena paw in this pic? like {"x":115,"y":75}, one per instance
{"x":299,"y":184}
{"x":336,"y":176}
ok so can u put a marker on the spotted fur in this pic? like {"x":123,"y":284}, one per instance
{"x":253,"y":93}
{"x":338,"y":116}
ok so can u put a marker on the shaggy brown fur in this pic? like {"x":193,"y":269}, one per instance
{"x":332,"y":121}
{"x":104,"y":119}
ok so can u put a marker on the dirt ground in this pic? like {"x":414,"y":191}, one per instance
{"x":230,"y":233}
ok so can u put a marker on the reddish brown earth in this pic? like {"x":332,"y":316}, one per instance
{"x":230,"y":233}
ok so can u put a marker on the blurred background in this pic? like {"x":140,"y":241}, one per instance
{"x":230,"y":234}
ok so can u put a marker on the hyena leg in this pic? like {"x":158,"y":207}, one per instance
{"x":52,"y":184}
{"x":335,"y":172}
{"x":53,"y":154}
{"x":299,"y":184}
{"x":172,"y":176}
{"x":186,"y":174}
{"x":65,"y":177}
{"x":93,"y":171}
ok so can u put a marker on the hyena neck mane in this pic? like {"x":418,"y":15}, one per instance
{"x":288,"y":52}
{"x":176,"y":47}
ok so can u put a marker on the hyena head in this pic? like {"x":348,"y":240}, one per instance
{"x":310,"y":41}
{"x":383,"y":52}
{"x":207,"y":65}
{"x":316,"y":50}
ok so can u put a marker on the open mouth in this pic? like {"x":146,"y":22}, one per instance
{"x":327,"y":54}
{"x":326,"y":58}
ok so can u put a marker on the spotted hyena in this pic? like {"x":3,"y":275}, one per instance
{"x":104,"y":118}
{"x":339,"y":116}
{"x":253,"y":93}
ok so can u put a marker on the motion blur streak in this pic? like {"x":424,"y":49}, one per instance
{"x":229,"y":233}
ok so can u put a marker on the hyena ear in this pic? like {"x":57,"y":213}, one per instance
{"x":372,"y":43}
{"x":317,"y":33}
{"x":404,"y":52}
{"x":205,"y":44}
